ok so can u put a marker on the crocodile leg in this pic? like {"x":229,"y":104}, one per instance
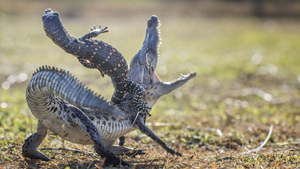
{"x":110,"y":158}
{"x":32,"y":142}
{"x":122,"y":141}
{"x":94,"y":32}
{"x":89,"y":64}
{"x":144,"y":129}
{"x":122,"y":150}
{"x":86,"y":63}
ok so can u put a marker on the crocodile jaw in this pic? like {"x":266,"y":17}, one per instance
{"x":144,"y":63}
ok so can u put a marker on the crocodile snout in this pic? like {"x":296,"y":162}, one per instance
{"x":153,"y":21}
{"x":153,"y":17}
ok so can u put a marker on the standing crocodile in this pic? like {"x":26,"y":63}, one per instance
{"x":51,"y":98}
{"x":96,"y":54}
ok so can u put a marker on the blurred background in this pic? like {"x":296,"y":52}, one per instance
{"x":246,"y":54}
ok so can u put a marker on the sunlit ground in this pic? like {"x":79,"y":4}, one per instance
{"x":248,"y":79}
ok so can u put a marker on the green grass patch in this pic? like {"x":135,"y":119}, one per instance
{"x":247,"y":80}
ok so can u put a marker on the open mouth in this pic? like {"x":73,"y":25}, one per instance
{"x":156,"y":78}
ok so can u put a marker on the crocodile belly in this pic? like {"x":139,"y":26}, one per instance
{"x":68,"y":132}
{"x":109,"y":130}
{"x":112,"y":130}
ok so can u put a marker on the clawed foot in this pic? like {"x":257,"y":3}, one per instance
{"x":174,"y":152}
{"x":104,"y":30}
{"x":115,"y":162}
{"x":34,"y":154}
{"x":86,"y":63}
{"x":135,"y":152}
{"x":142,"y":107}
{"x":95,"y":32}
{"x":122,"y":150}
{"x":148,"y":111}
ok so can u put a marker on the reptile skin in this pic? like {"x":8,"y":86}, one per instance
{"x":70,"y":110}
{"x":95,"y":54}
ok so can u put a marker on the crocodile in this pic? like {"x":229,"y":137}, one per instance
{"x":95,"y":54}
{"x":53,"y":98}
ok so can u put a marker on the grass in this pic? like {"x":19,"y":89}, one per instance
{"x":247,"y":80}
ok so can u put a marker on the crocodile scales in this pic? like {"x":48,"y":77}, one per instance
{"x":95,"y":54}
{"x":98,"y":125}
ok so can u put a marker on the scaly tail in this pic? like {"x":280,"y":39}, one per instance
{"x":51,"y":80}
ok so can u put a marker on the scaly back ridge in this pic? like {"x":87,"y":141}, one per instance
{"x":51,"y":80}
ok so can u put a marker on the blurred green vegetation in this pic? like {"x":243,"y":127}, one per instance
{"x":248,"y":75}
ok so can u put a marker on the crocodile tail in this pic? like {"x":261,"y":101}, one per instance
{"x":50,"y":80}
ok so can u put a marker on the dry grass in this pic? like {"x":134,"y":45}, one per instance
{"x":247,"y":80}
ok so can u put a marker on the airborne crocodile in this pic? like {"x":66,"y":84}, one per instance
{"x":67,"y":108}
{"x":95,"y":54}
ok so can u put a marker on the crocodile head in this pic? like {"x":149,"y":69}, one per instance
{"x":53,"y":27}
{"x":143,"y":65}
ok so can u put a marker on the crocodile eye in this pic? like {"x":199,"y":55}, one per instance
{"x":149,"y":23}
